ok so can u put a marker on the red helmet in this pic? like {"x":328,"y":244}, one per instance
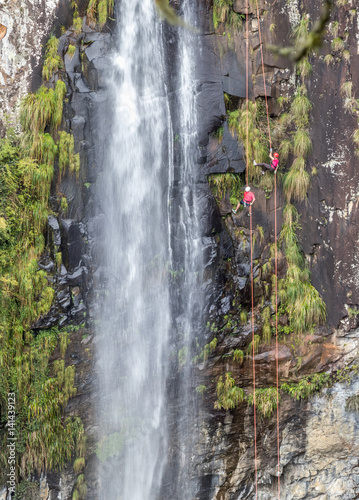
{"x":276,"y":155}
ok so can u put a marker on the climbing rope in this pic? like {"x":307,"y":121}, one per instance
{"x":251,"y":244}
{"x":275,"y":254}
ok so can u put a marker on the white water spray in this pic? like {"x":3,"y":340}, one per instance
{"x":134,"y":323}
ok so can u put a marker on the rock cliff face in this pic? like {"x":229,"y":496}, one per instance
{"x":318,"y":437}
{"x":28,"y":25}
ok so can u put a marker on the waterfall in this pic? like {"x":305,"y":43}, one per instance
{"x":149,"y":231}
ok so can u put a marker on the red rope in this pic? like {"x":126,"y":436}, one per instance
{"x":251,"y":243}
{"x":275,"y":255}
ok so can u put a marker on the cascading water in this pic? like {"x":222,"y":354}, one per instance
{"x":143,"y":219}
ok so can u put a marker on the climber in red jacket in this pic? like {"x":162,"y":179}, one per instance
{"x":273,"y":167}
{"x":248,"y":199}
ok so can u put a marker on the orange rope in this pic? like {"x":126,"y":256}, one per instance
{"x":251,"y":242}
{"x":275,"y":256}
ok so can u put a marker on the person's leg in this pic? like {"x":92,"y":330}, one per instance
{"x":265,"y":165}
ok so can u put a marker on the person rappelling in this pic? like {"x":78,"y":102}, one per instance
{"x":248,"y":199}
{"x":273,"y":167}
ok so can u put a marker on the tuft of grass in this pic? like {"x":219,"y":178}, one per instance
{"x":329,"y":59}
{"x":267,"y":333}
{"x":238,"y":355}
{"x":352,"y":14}
{"x":228,"y":394}
{"x":219,"y":134}
{"x":334,"y":28}
{"x":346,"y":89}
{"x":102,"y":12}
{"x":304,"y":68}
{"x":79,"y":464}
{"x":302,"y":144}
{"x":300,"y":108}
{"x":300,"y":32}
{"x":285,"y":149}
{"x":338,"y":44}
{"x":71,"y":51}
{"x":296,"y":181}
{"x":356,"y":137}
{"x":346,"y":55}
{"x":266,"y":401}
{"x":224,"y":183}
{"x":53,"y":61}
{"x":256,"y":343}
{"x":243,"y":317}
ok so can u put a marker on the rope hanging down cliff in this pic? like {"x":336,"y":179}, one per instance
{"x":251,"y":245}
{"x":275,"y":250}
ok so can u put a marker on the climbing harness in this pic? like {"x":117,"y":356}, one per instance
{"x":275,"y":248}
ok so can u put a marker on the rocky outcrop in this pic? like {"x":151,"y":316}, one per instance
{"x":28,"y":25}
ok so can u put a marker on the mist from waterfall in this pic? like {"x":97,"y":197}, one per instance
{"x":150,"y":230}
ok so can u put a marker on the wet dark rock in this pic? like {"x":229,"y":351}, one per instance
{"x":225,"y":155}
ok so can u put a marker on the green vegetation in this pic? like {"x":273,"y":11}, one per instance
{"x":250,"y":117}
{"x":308,"y":385}
{"x":67,"y":157}
{"x":300,"y":108}
{"x":98,"y":11}
{"x":53,"y":61}
{"x":338,"y":44}
{"x":296,"y":181}
{"x":201,"y":389}
{"x":27,"y":490}
{"x":206,"y":352}
{"x":266,"y":401}
{"x":224,"y":183}
{"x":238,"y":355}
{"x":71,"y":51}
{"x":302,"y":144}
{"x":329,"y":59}
{"x":300,"y":299}
{"x":80,"y":490}
{"x":346,"y":55}
{"x":46,"y":440}
{"x":256,"y":343}
{"x":224,"y":15}
{"x":228,"y":394}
